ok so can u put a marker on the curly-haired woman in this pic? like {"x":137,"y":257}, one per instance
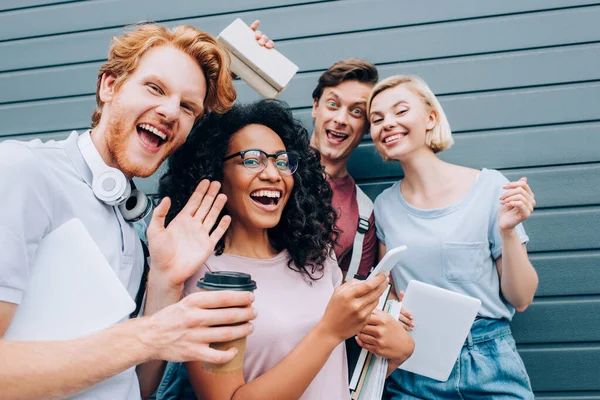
{"x":281,"y":232}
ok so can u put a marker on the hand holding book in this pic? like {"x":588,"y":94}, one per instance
{"x":386,"y":337}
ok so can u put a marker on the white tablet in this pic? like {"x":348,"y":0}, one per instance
{"x":443,"y":320}
{"x":72,"y":291}
{"x":389,"y":261}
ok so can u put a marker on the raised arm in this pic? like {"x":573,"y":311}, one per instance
{"x":177,"y":251}
{"x":346,"y":313}
{"x":518,"y":279}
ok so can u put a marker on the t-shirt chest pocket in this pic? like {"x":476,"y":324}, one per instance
{"x":463,"y":262}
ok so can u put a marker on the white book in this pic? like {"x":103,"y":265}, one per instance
{"x":72,"y":291}
{"x":267,"y":71}
{"x":362,"y":358}
{"x":374,"y":380}
{"x":443,"y":320}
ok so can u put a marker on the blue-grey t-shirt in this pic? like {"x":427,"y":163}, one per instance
{"x":454,"y":247}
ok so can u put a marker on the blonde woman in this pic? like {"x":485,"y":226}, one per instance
{"x":464,"y":233}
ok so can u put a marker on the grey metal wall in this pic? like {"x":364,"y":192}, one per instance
{"x":520,"y":81}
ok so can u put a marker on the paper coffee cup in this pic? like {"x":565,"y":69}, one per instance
{"x":225,"y":280}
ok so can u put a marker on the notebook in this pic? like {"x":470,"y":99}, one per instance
{"x":443,"y":320}
{"x":362,"y":363}
{"x":267,"y":71}
{"x":72,"y":291}
{"x":372,"y":379}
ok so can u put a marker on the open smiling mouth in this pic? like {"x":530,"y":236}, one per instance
{"x":151,"y":136}
{"x":393,"y":138}
{"x":266,"y":197}
{"x":336,"y":136}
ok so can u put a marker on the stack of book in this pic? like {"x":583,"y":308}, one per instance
{"x":267,"y":71}
{"x":369,"y":375}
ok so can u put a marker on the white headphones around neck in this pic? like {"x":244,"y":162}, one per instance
{"x":111,"y":186}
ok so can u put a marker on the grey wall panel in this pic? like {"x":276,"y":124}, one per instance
{"x":110,"y":13}
{"x":543,"y":106}
{"x":564,"y":229}
{"x":563,"y":320}
{"x":50,"y":115}
{"x":448,"y":76}
{"x":6,"y":5}
{"x":574,"y":395}
{"x":497,"y":149}
{"x":562,"y":368}
{"x":47,"y":83}
{"x":567,"y":273}
{"x":503,"y":33}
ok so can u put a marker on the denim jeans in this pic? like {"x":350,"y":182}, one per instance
{"x":488,"y":367}
{"x":175,"y":384}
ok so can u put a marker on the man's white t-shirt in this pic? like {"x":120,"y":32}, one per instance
{"x":44,"y":185}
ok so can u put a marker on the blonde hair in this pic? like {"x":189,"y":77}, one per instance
{"x":438,"y":138}
{"x":126,"y":51}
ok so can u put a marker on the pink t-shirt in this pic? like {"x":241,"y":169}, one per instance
{"x":288,"y":307}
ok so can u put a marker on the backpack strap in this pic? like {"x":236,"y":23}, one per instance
{"x":365,"y":209}
{"x":141,"y":294}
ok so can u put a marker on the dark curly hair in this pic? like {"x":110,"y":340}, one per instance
{"x":307,"y":226}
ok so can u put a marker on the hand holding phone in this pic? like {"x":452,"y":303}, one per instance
{"x":389,"y":260}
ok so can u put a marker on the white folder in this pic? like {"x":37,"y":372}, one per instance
{"x":443,"y":320}
{"x":267,"y":71}
{"x":72,"y":291}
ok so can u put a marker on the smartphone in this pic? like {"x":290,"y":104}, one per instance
{"x":388,"y":261}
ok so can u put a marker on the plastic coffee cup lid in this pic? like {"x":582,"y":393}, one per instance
{"x":225,"y":280}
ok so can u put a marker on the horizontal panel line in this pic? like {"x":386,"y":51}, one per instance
{"x":8,"y":71}
{"x":159,"y":21}
{"x":507,"y":88}
{"x":566,"y":253}
{"x":562,"y":346}
{"x":17,"y":135}
{"x":515,"y":127}
{"x":39,"y":6}
{"x":42,"y":99}
{"x":496,"y":52}
{"x":537,"y":167}
{"x":567,"y":298}
{"x":534,"y":126}
{"x":441,"y":21}
{"x":568,"y":392}
{"x":574,"y":208}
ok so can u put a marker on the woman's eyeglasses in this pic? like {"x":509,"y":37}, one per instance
{"x":256,"y":160}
